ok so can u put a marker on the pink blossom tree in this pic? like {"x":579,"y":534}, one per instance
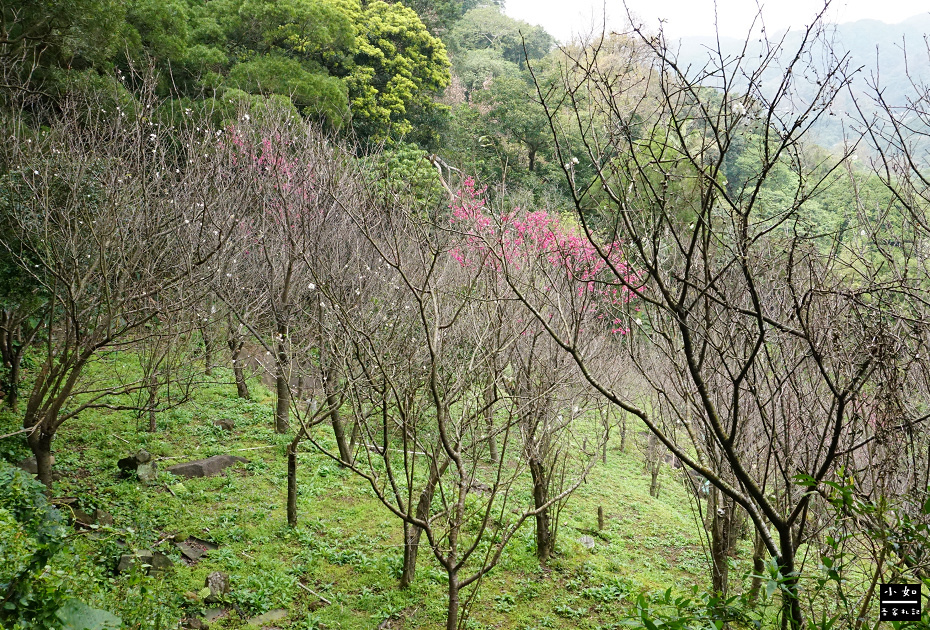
{"x":536,"y":252}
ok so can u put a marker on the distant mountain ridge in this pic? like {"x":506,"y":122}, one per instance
{"x":864,"y":41}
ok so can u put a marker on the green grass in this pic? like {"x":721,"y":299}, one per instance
{"x":347,"y":546}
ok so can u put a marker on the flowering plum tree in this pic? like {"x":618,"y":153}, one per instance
{"x":536,"y":252}
{"x":101,"y":216}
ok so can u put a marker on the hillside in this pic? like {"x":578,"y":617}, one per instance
{"x":346,"y":547}
{"x":892,"y":56}
{"x":371,"y":314}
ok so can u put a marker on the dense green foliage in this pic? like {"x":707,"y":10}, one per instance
{"x":31,"y":533}
{"x":337,"y":61}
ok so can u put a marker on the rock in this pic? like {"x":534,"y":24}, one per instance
{"x":30,"y":466}
{"x":225,"y":423}
{"x":78,"y":518}
{"x":194,"y":548}
{"x":102,"y":517}
{"x":161,"y":562}
{"x":218,"y":583}
{"x":272,"y":615}
{"x":212,"y":614}
{"x":194,"y":623}
{"x":130,"y":465}
{"x":156,"y":560}
{"x":587,"y":542}
{"x":205,"y":467}
{"x":481,"y":488}
{"x":147,"y":472}
{"x":125,"y":561}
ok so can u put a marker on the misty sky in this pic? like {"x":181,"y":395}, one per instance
{"x":563,"y":18}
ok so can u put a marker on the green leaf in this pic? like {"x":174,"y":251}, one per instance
{"x":76,"y":615}
{"x":770,"y":587}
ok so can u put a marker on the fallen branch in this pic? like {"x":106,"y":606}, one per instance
{"x":312,"y":592}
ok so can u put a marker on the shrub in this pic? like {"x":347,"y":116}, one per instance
{"x":31,"y":532}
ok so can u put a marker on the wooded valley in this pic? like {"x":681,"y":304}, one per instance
{"x":331,"y":314}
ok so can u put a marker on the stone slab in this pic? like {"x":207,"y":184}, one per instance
{"x":205,"y":467}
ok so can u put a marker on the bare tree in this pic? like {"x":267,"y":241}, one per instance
{"x":424,"y":346}
{"x":289,"y":180}
{"x":164,"y":363}
{"x":739,"y":293}
{"x":889,"y":465}
{"x":99,"y":213}
{"x":235,"y":340}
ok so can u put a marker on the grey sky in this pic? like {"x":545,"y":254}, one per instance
{"x":563,"y":18}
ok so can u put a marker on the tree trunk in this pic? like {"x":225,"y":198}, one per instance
{"x":411,"y":547}
{"x":545,"y":540}
{"x":153,"y":395}
{"x":332,"y":399}
{"x":623,"y":433}
{"x":41,"y":445}
{"x":412,"y":532}
{"x":354,"y":439}
{"x":242,"y":389}
{"x":792,"y":616}
{"x":452,"y":614}
{"x":207,"y":350}
{"x":489,"y":393}
{"x":720,"y":513}
{"x":12,"y":392}
{"x":283,"y":407}
{"x":300,"y":388}
{"x":234,"y":342}
{"x":292,"y":485}
{"x":532,"y":159}
{"x":759,"y":552}
{"x":12,"y":347}
{"x":282,"y":387}
{"x":654,"y":465}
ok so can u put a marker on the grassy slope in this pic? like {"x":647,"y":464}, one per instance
{"x":347,"y":546}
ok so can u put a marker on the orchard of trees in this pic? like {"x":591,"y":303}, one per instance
{"x":471,"y":259}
